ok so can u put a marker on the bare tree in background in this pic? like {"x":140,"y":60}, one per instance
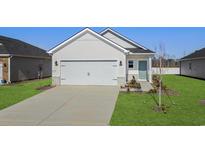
{"x":162,"y":56}
{"x":160,"y":75}
{"x":184,"y":53}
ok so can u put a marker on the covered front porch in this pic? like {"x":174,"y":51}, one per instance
{"x":139,"y":66}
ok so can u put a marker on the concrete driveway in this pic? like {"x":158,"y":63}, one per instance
{"x":64,"y":105}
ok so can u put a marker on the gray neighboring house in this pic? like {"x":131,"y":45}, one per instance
{"x":22,"y":61}
{"x":193,"y":65}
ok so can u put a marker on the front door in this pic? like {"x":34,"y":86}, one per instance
{"x":143,"y":70}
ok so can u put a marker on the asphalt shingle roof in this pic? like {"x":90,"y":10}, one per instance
{"x":197,"y":54}
{"x":139,"y":50}
{"x":17,"y":47}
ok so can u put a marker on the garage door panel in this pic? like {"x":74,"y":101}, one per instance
{"x":89,"y":73}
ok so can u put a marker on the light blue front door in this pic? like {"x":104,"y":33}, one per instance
{"x":143,"y":70}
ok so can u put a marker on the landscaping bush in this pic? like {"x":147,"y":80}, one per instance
{"x":133,"y":83}
{"x":156,"y":83}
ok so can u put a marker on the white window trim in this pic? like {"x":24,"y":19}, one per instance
{"x":132,"y":64}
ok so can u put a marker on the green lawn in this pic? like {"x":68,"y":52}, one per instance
{"x":137,"y":109}
{"x":14,"y":93}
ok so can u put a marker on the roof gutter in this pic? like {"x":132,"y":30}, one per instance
{"x":131,"y":53}
{"x":192,"y":58}
{"x":5,"y":55}
{"x":14,"y":55}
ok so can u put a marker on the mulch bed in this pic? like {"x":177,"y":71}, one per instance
{"x":202,"y":102}
{"x":170,"y":92}
{"x":45,"y":87}
{"x":162,"y":109}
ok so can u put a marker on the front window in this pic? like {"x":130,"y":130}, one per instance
{"x":130,"y":64}
{"x":190,"y":66}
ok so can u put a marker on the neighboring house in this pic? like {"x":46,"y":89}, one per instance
{"x":194,"y":64}
{"x":22,"y":61}
{"x":108,"y":58}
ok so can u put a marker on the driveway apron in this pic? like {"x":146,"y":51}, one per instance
{"x":64,"y":105}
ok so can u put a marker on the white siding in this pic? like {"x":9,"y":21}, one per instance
{"x":197,"y":68}
{"x":118,"y":40}
{"x":88,"y":47}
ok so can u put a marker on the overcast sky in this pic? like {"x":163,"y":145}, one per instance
{"x":177,"y":41}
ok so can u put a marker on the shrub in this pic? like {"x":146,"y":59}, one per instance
{"x":133,"y":83}
{"x":156,"y":82}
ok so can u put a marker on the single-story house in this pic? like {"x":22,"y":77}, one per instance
{"x":106,"y":58}
{"x":193,"y":65}
{"x":22,"y":61}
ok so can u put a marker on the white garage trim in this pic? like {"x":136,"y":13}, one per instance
{"x":86,"y":30}
{"x":88,"y":72}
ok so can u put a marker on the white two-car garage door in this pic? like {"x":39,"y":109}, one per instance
{"x":89,"y":72}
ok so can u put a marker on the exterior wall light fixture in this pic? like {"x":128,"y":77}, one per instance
{"x":120,"y":63}
{"x":56,"y":63}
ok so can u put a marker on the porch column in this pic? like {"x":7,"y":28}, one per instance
{"x":150,"y":69}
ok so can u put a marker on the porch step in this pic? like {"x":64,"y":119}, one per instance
{"x":145,"y":86}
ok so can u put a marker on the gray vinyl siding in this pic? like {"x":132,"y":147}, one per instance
{"x":197,"y":68}
{"x":24,"y":68}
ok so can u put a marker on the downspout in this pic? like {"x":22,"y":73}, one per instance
{"x":150,"y":69}
{"x":126,"y":68}
{"x":180,"y":68}
{"x":9,"y":69}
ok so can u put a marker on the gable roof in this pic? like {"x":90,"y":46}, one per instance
{"x":10,"y":46}
{"x":137,"y":47}
{"x":195,"y":55}
{"x":83,"y":32}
